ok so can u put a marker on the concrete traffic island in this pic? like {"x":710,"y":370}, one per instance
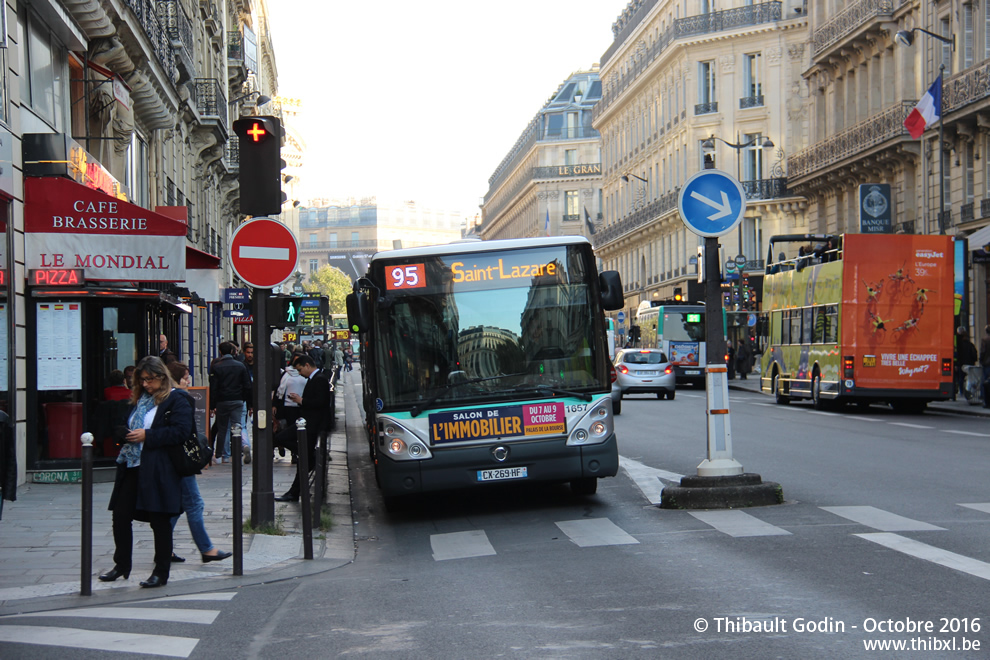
{"x":721,"y":492}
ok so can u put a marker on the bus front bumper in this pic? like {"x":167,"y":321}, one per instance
{"x":459,"y":467}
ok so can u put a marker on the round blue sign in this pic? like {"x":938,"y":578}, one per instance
{"x":621,"y":317}
{"x":711,"y":203}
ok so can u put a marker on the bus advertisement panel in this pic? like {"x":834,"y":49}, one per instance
{"x":488,"y":361}
{"x":863,"y":321}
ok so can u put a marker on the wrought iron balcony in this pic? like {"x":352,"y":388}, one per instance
{"x":966,"y":87}
{"x":211,"y":102}
{"x":906,"y":227}
{"x":706,"y":108}
{"x":751,"y":101}
{"x":572,"y":217}
{"x":966,"y":212}
{"x":180,"y":34}
{"x":945,"y":219}
{"x":879,"y":128}
{"x":642,"y":216}
{"x":571,"y":133}
{"x":144,"y":11}
{"x":729,"y":19}
{"x":985,"y":208}
{"x":235,"y":46}
{"x":849,"y":20}
{"x":233,"y":157}
{"x":765,"y":188}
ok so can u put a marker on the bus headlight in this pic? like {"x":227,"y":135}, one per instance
{"x":599,"y":428}
{"x":396,"y":446}
{"x":595,"y":426}
{"x":580,"y":437}
{"x":401,"y":443}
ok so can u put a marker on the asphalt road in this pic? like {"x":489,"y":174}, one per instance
{"x":883,"y":536}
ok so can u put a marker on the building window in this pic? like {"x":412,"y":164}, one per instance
{"x":967,"y":20}
{"x":970,"y":174}
{"x":706,"y":88}
{"x":752,"y":86}
{"x":570,"y":156}
{"x":312,"y":239}
{"x":355,"y":238}
{"x":947,"y":47}
{"x":753,"y":167}
{"x":47,"y":82}
{"x":572,"y":205}
{"x":706,"y":154}
{"x":333,"y":240}
{"x":314,"y":265}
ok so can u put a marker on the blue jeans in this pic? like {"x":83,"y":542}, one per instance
{"x":228,"y":412}
{"x":192,"y":504}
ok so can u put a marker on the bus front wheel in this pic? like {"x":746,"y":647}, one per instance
{"x":778,"y":395}
{"x":584,"y":486}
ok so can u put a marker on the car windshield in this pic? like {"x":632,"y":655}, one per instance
{"x":645,"y":357}
{"x":474,"y":335}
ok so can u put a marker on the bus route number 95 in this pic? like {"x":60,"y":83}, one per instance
{"x":410,"y":276}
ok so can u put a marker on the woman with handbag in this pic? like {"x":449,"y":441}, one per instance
{"x":192,"y":501}
{"x":147,"y":486}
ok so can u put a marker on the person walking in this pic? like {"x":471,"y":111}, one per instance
{"x":965,"y":357}
{"x":743,"y":356}
{"x":192,"y":501}
{"x":338,"y":361}
{"x":284,"y":408}
{"x":230,"y":388}
{"x":314,"y":405}
{"x":316,"y":352}
{"x":147,"y":486}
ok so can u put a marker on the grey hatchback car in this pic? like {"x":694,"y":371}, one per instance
{"x":641,"y":371}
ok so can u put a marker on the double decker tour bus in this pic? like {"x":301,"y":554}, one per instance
{"x":487,"y":362}
{"x":859,"y":317}
{"x":678,"y":329}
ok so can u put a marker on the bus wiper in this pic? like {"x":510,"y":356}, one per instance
{"x":584,"y":396}
{"x":420,"y":407}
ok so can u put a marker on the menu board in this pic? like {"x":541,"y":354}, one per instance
{"x":59,"y":346}
{"x":201,"y":412}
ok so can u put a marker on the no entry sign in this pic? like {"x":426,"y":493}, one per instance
{"x":264,"y":253}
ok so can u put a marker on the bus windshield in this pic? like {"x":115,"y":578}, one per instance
{"x":485,"y":324}
{"x":684,"y":326}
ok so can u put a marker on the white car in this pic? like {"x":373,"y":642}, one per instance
{"x":641,"y":371}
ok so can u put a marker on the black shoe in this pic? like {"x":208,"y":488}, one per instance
{"x":288,"y":497}
{"x":113,"y":574}
{"x":176,"y":559}
{"x":217,"y":557}
{"x":154,"y":581}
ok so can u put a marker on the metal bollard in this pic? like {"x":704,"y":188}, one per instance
{"x":302,"y":451}
{"x":86,"y":539}
{"x":235,"y":464}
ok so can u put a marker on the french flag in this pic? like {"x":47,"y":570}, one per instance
{"x":927,"y":111}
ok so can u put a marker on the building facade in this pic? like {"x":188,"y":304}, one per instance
{"x":863,"y":81}
{"x":682,"y":83}
{"x":549,"y":184}
{"x":118,"y":195}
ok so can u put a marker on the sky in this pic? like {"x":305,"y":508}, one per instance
{"x":422,"y":100}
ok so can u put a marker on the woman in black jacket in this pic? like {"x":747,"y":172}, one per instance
{"x":147,"y":486}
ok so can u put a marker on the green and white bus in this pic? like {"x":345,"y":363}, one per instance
{"x":678,"y":329}
{"x":487,"y":362}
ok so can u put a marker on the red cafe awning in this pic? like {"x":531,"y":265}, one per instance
{"x":200,"y":260}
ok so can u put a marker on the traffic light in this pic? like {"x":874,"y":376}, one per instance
{"x":678,"y":295}
{"x":284,"y":311}
{"x":260,"y":165}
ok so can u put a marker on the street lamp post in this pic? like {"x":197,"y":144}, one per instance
{"x":906,"y":38}
{"x":625,"y":177}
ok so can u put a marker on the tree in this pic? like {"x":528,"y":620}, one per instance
{"x":334,"y":284}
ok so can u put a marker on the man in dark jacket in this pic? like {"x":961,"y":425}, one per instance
{"x":164,"y":352}
{"x":230,"y":389}
{"x":316,"y":352}
{"x":315,"y":406}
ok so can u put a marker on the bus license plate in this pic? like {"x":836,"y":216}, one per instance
{"x":502,"y":473}
{"x":692,"y":372}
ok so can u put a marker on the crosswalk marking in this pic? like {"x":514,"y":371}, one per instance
{"x":930,"y":553}
{"x":647,"y":478}
{"x":100,"y":640}
{"x":213,"y":596}
{"x":738,"y":523}
{"x":981,"y":506}
{"x":461,"y":545}
{"x":595,"y":532}
{"x":880,"y":519}
{"x":173,"y":615}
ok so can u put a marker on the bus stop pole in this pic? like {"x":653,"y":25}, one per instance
{"x":719,"y":462}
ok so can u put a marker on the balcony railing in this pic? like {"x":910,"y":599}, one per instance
{"x":847,"y":21}
{"x":985,"y":208}
{"x":211,"y":102}
{"x":967,"y":87}
{"x":177,"y":25}
{"x":571,"y":133}
{"x":729,"y":19}
{"x":156,"y":33}
{"x":765,"y":188}
{"x":235,"y":46}
{"x":966,"y":212}
{"x":234,"y":155}
{"x":751,"y":101}
{"x":945,"y":219}
{"x":339,"y":245}
{"x":706,"y":108}
{"x":664,"y":204}
{"x":879,"y":128}
{"x":572,"y":217}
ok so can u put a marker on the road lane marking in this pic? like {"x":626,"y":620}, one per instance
{"x":172,"y":615}
{"x":99,"y":640}
{"x":930,"y":553}
{"x":978,"y":435}
{"x":980,"y":506}
{"x":215,"y":595}
{"x":461,"y":545}
{"x":738,"y":523}
{"x":911,"y":426}
{"x":647,"y":479}
{"x":595,"y":532}
{"x":884,"y":521}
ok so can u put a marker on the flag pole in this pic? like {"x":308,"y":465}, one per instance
{"x":941,"y":152}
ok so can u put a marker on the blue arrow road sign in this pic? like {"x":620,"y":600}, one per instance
{"x":711,"y":203}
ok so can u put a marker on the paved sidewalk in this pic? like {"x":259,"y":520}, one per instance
{"x":40,"y":560}
{"x":961,"y":406}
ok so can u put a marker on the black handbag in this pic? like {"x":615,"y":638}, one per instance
{"x":192,"y":455}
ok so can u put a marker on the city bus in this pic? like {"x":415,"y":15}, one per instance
{"x":487,"y":362}
{"x":859,"y":318}
{"x":678,"y":329}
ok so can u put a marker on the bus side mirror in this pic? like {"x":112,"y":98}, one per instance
{"x":611,"y":285}
{"x":358,"y":316}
